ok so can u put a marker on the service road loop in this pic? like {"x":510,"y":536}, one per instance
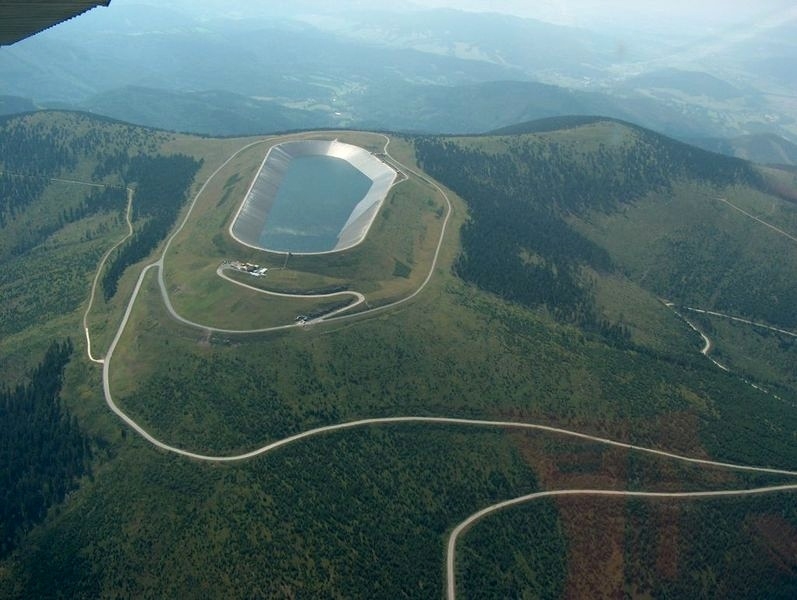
{"x":335,"y":315}
{"x":358,"y":297}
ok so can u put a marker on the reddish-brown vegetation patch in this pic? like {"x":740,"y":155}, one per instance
{"x":778,"y":537}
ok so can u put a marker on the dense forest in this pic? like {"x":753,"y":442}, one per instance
{"x":659,"y":158}
{"x":517,"y":243}
{"x":35,"y":151}
{"x":29,"y":156}
{"x":162,"y":184}
{"x":43,"y":452}
{"x":17,"y":192}
{"x":106,"y":199}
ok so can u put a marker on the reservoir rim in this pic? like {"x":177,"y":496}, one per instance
{"x":375,"y":208}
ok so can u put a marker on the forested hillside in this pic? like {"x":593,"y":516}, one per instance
{"x":162,"y":184}
{"x":62,"y":194}
{"x":43,"y":452}
{"x":561,"y":208}
{"x":521,"y":188}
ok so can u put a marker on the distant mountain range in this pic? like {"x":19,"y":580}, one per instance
{"x":691,"y":83}
{"x":762,"y":148}
{"x":396,"y":106}
{"x":433,"y":71}
{"x":10,"y":105}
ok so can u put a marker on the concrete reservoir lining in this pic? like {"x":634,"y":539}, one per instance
{"x":312,"y":197}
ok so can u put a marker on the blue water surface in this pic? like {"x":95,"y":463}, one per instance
{"x":314,"y":200}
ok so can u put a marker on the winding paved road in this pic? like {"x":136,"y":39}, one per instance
{"x":358,"y":297}
{"x":741,"y":320}
{"x":451,"y":550}
{"x":707,"y":345}
{"x":770,"y":225}
{"x":459,"y":529}
{"x":100,"y":267}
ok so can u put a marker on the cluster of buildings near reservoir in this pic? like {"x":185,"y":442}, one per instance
{"x":246,"y":267}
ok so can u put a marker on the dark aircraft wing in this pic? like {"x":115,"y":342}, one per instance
{"x":23,"y":18}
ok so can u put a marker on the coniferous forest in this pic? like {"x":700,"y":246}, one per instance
{"x":162,"y":184}
{"x":43,"y":452}
{"x":518,"y":244}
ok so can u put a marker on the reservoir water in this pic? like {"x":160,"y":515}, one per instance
{"x":315,"y":198}
{"x":312,"y":196}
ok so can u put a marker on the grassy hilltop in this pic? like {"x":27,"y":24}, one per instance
{"x":544,"y":306}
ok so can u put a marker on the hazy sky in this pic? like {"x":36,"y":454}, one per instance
{"x":673,"y":18}
{"x":691,"y":14}
{"x":571,"y":12}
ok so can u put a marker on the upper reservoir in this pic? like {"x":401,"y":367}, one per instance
{"x":313,"y":203}
{"x":312,"y":196}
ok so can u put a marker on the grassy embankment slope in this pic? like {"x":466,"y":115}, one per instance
{"x":365,"y":513}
